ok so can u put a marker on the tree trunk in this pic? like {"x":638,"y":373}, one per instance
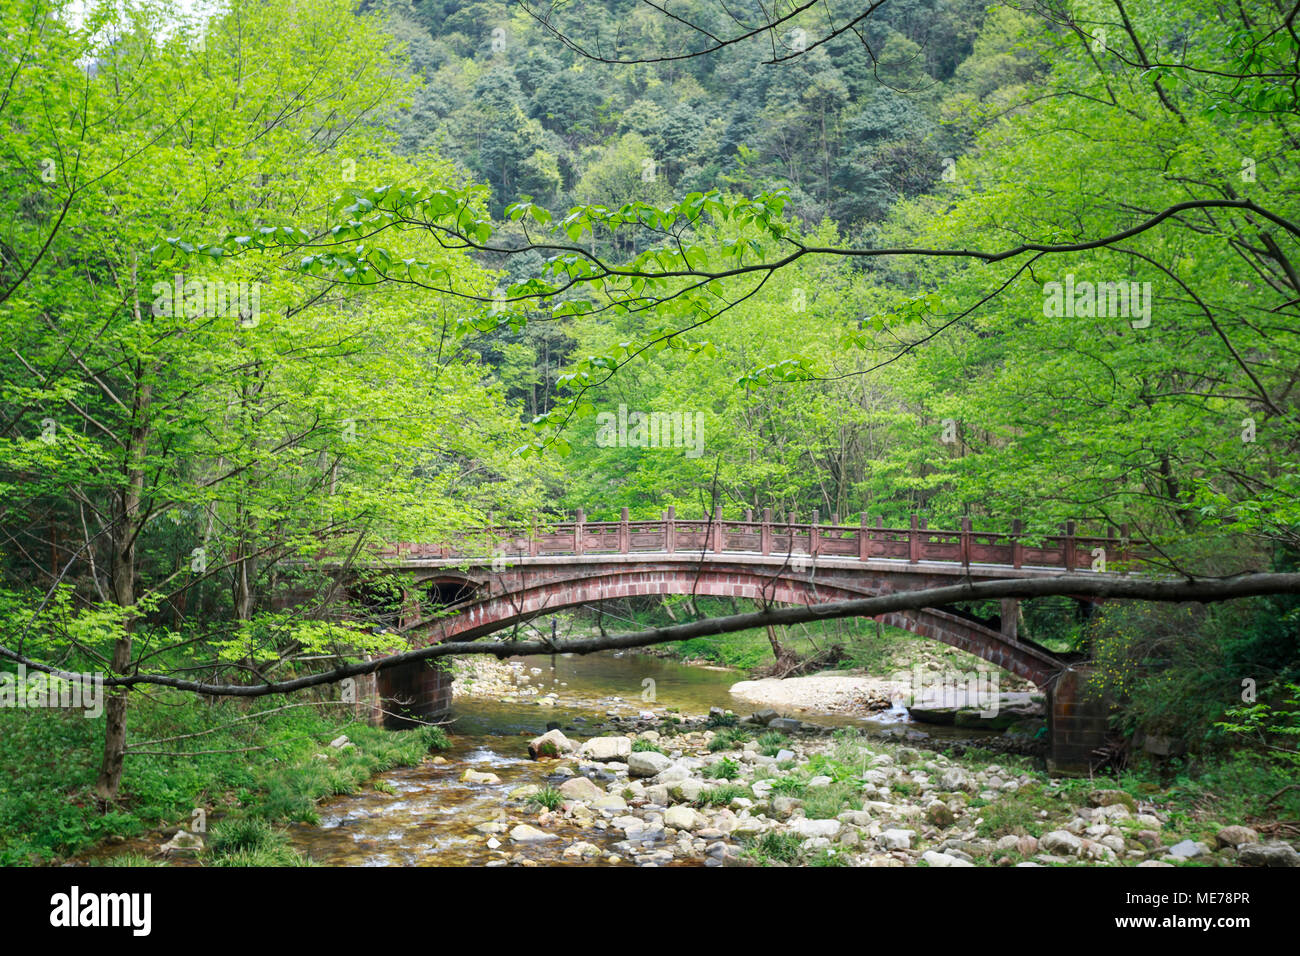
{"x":126,"y":530}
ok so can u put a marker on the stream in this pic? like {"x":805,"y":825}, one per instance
{"x":431,"y":817}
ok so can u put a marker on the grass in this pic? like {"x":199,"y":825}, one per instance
{"x":646,"y":746}
{"x":829,"y":856}
{"x":826,"y":803}
{"x":775,"y":847}
{"x":721,"y":795}
{"x":50,"y":758}
{"x":724,"y":769}
{"x":772,"y":742}
{"x":547,"y":797}
{"x":730,"y":738}
{"x":791,"y":786}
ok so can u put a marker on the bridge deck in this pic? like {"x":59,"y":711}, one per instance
{"x":813,"y":543}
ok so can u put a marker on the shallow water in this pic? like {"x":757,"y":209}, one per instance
{"x":431,"y":819}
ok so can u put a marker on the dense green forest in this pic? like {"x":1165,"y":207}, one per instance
{"x":279,"y":285}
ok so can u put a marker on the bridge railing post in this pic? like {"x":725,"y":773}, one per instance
{"x":813,"y":535}
{"x":765,"y":533}
{"x":1123,"y":546}
{"x":1017,"y":547}
{"x":579,"y":531}
{"x":965,"y":542}
{"x":913,"y":542}
{"x":532,"y":536}
{"x":670,"y":529}
{"x":718,"y":541}
{"x":624,"y":533}
{"x":864,"y":538}
{"x":1068,"y":545}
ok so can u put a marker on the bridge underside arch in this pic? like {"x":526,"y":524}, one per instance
{"x":511,"y":599}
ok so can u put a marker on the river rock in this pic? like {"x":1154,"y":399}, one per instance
{"x":580,"y":788}
{"x":688,"y":790}
{"x":478,"y":776}
{"x":764,"y":716}
{"x":954,"y":778}
{"x":647,"y":763}
{"x":1235,"y":836}
{"x":940,"y":814}
{"x":932,"y":858}
{"x":785,"y":724}
{"x":609,"y":801}
{"x":684,"y":818}
{"x":553,"y":743}
{"x":894,"y":839}
{"x":816,"y":828}
{"x":1275,"y":853}
{"x":582,"y":850}
{"x":674,"y":774}
{"x":1188,"y":849}
{"x":1109,"y":798}
{"x":184,"y":843}
{"x":605,"y":749}
{"x":1060,"y":842}
{"x":782,"y":807}
{"x":523,"y":833}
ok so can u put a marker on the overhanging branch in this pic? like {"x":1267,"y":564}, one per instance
{"x":1200,"y":590}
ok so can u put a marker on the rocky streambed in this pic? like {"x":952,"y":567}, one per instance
{"x":769,"y":792}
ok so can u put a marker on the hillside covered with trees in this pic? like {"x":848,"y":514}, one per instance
{"x":279,"y":287}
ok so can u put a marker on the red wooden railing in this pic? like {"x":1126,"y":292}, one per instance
{"x":767,"y":535}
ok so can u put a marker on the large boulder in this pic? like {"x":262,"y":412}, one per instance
{"x":785,"y":724}
{"x":550,"y":744}
{"x":605,"y":749}
{"x":647,"y":763}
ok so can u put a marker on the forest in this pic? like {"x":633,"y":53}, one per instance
{"x":284,"y":284}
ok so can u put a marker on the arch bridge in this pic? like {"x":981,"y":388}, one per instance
{"x":502,"y":578}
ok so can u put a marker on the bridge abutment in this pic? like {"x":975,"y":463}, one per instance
{"x":411,"y":694}
{"x":1076,"y":723}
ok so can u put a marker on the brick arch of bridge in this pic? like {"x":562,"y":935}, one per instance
{"x":509,"y":598}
